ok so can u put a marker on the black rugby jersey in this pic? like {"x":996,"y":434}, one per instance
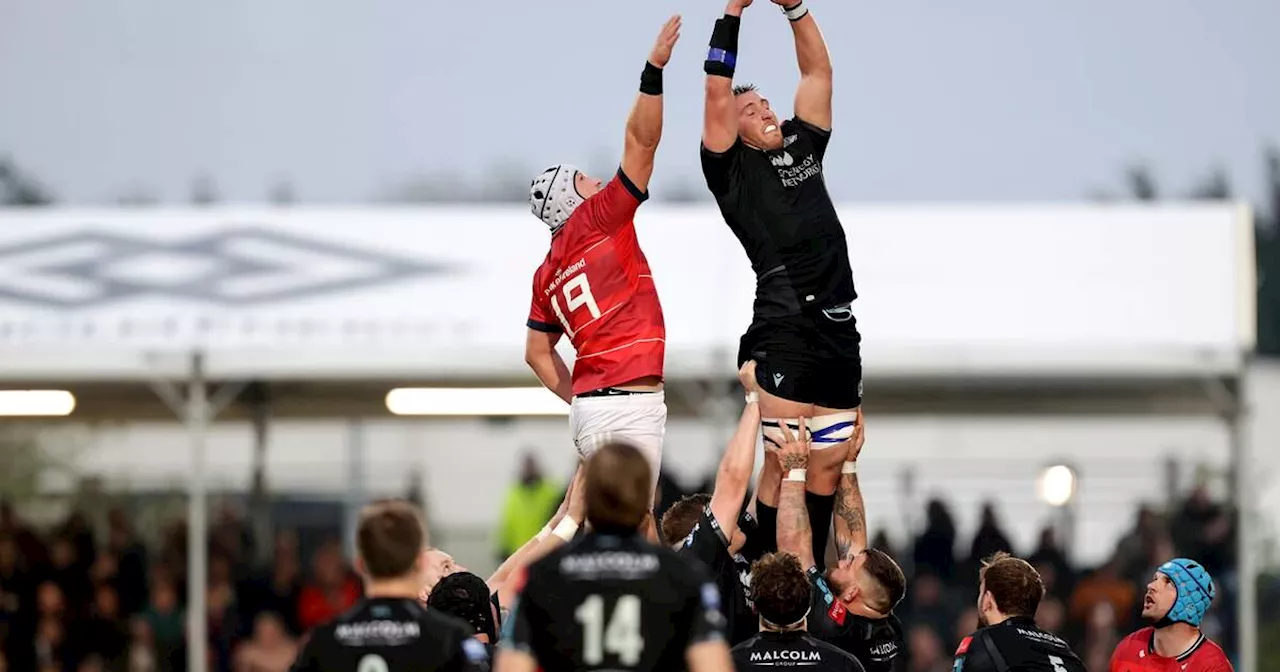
{"x":770,"y":650}
{"x":608,"y":602}
{"x":708,"y":544}
{"x":1015,"y":644}
{"x":393,"y":635}
{"x":877,"y":643}
{"x":776,"y":203}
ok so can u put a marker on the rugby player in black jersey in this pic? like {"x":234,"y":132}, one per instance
{"x":853,"y":602}
{"x":611,"y":600}
{"x":559,"y":531}
{"x":389,"y":631}
{"x":767,"y":178}
{"x":717,"y":530}
{"x":784,"y":598}
{"x":1009,"y":594}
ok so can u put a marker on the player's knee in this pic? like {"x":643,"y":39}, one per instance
{"x":679,"y":520}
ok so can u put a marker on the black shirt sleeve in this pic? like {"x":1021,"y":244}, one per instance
{"x":818,"y":137}
{"x":708,"y":543}
{"x":717,"y":167}
{"x":754,"y":547}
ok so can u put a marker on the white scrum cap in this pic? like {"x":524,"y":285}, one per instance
{"x":553,"y":195}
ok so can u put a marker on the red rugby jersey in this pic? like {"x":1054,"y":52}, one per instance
{"x":595,"y":287}
{"x":1136,"y":653}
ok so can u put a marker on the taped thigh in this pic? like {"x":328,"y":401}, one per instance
{"x":825,"y":431}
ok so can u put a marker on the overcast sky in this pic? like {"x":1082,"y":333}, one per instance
{"x":935,"y":100}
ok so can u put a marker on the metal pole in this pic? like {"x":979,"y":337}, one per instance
{"x":1247,"y":590}
{"x":197,"y":421}
{"x":355,"y":495}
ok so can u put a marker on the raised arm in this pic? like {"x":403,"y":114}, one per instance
{"x":644,"y":126}
{"x":562,"y":533}
{"x":734,"y":475}
{"x":794,"y":534}
{"x":813,"y":97}
{"x":851,"y":517}
{"x":720,"y":115}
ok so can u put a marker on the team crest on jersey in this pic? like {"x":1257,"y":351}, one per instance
{"x":787,"y":141}
{"x":964,"y":646}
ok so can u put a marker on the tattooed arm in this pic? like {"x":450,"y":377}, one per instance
{"x":794,"y":534}
{"x":851,"y":516}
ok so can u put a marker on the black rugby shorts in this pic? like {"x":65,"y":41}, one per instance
{"x":810,"y":358}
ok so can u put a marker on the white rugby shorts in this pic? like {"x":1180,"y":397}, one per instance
{"x":638,"y":419}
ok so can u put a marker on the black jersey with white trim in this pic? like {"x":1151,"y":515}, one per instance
{"x":708,"y":544}
{"x":393,"y":635}
{"x":607,"y":602}
{"x":878,"y":643}
{"x":771,"y":650}
{"x":776,"y":203}
{"x":1015,"y":644}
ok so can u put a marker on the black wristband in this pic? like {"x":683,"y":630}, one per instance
{"x":651,"y":80}
{"x":722,"y":57}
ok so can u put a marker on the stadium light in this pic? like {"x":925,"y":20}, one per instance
{"x":28,"y":403}
{"x":510,"y":401}
{"x":1058,"y":485}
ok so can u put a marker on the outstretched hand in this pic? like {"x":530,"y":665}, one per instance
{"x":786,"y":3}
{"x":667,"y":39}
{"x":794,"y":451}
{"x":738,"y":5}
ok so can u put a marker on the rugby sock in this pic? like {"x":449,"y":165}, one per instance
{"x":767,"y":522}
{"x":820,"y":509}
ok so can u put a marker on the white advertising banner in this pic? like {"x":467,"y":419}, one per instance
{"x":443,"y":293}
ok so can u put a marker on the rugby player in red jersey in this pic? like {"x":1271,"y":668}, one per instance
{"x":595,"y":287}
{"x":1177,"y":599}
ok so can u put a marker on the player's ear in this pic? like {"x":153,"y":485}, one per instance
{"x":361,"y":568}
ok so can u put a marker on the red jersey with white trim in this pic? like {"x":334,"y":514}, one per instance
{"x":1136,"y":653}
{"x":595,"y":287}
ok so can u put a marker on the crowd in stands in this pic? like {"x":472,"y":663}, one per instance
{"x":75,"y":601}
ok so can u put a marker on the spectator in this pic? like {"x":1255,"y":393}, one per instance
{"x":935,"y":548}
{"x":142,"y":655}
{"x":925,"y":652}
{"x":223,"y":616}
{"x":530,"y":504}
{"x":1104,"y":586}
{"x":103,"y":633}
{"x":1052,"y":616}
{"x":332,"y":589}
{"x":989,"y":539}
{"x":1049,"y":554}
{"x":50,"y":644}
{"x":164,"y":618}
{"x":278,"y":591}
{"x":70,"y":575}
{"x":271,"y":649}
{"x":131,"y":562}
{"x":927,"y":604}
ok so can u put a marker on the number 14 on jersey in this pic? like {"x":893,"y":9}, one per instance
{"x":619,"y":635}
